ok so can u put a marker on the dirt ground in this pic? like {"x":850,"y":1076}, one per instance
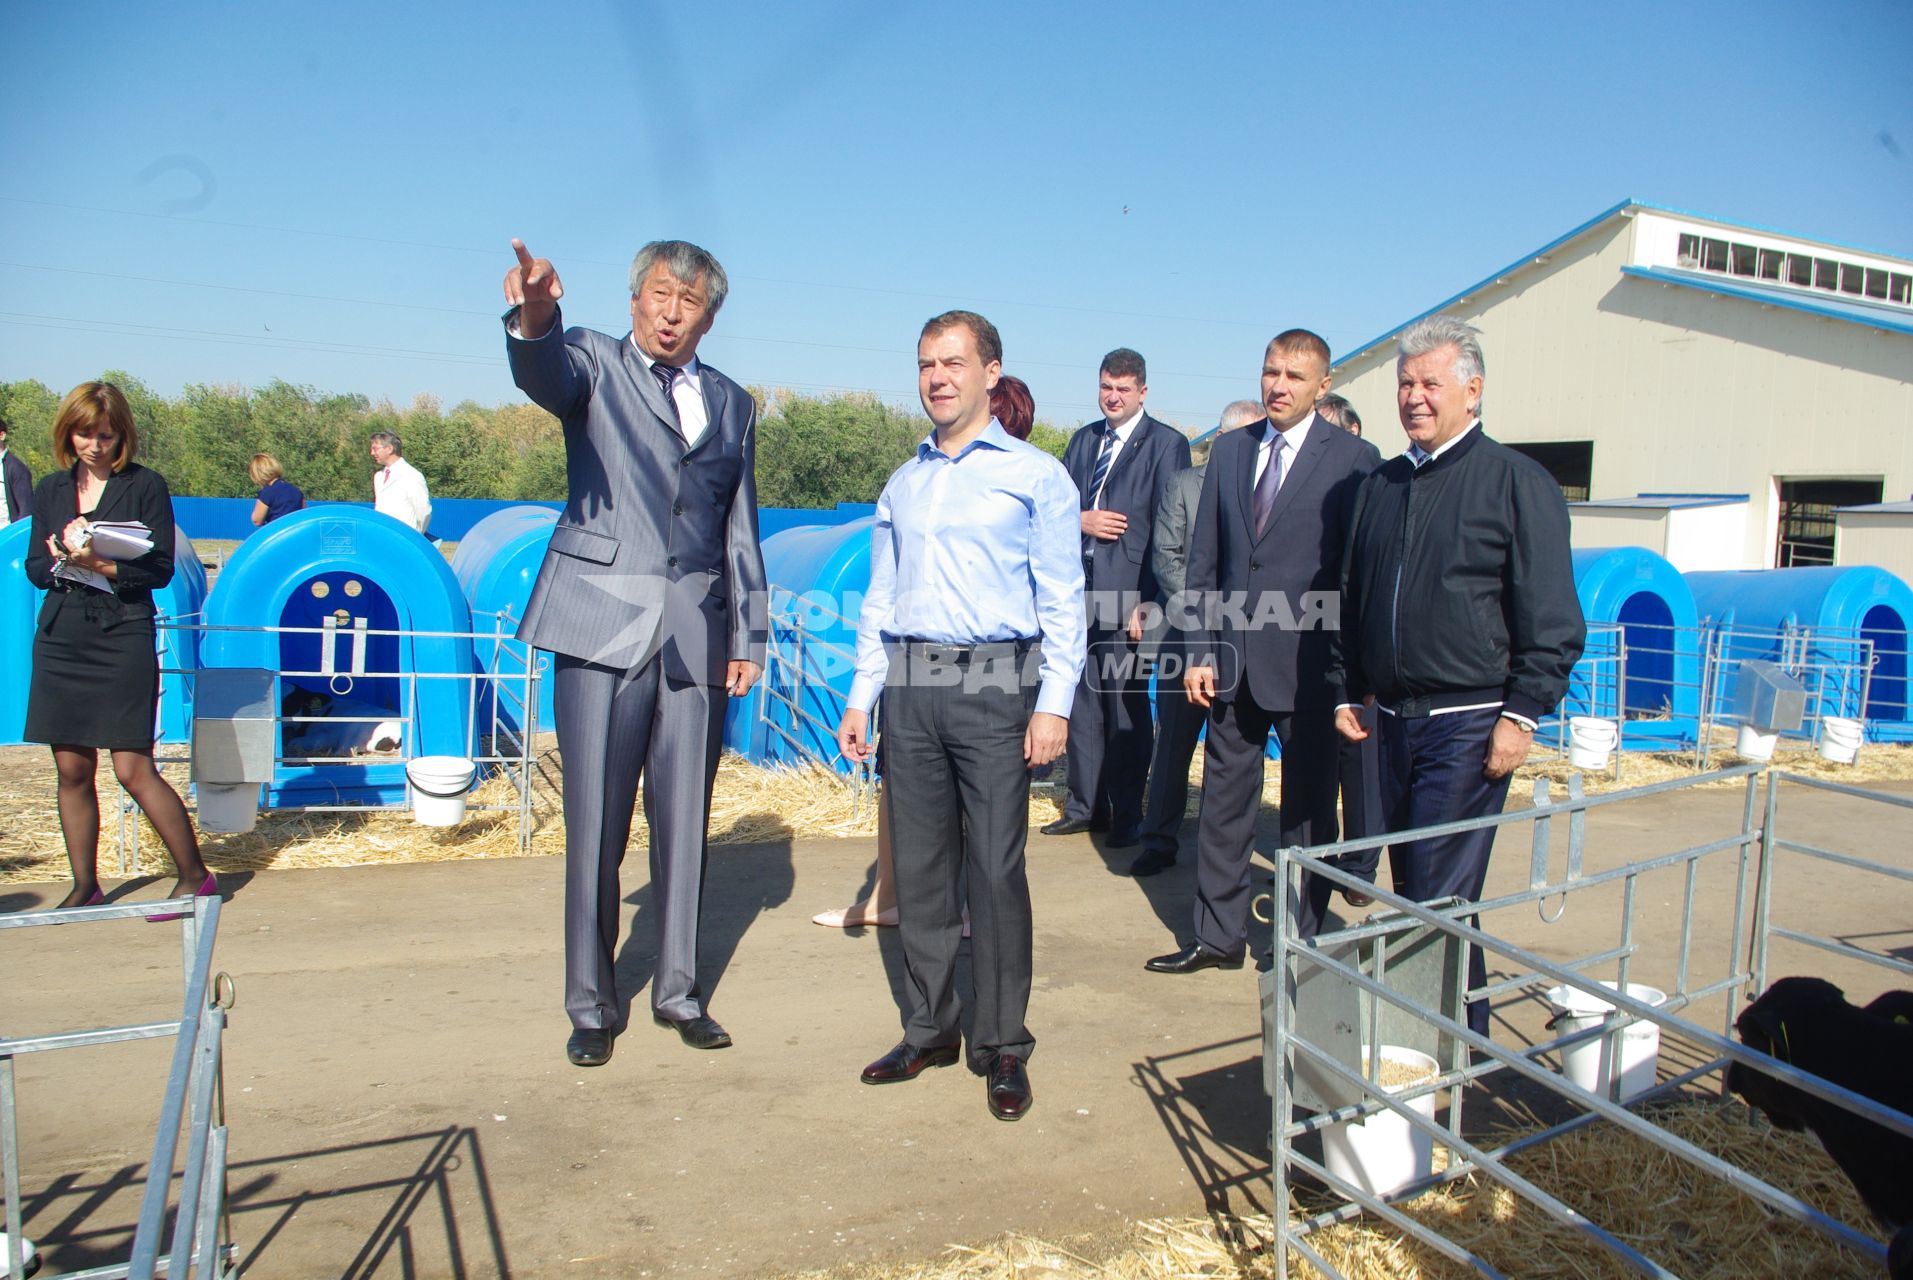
{"x":400,"y":1104}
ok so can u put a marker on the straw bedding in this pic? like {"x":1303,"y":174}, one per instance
{"x":750,"y":804}
{"x":1694,"y":1225}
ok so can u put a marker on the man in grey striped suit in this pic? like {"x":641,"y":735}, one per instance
{"x":649,"y":600}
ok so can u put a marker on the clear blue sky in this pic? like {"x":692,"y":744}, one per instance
{"x":325,"y":193}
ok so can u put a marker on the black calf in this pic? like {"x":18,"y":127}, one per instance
{"x":1807,"y":1023}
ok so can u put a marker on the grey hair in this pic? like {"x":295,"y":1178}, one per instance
{"x":390,"y":440}
{"x":1337,"y":411}
{"x":1435,"y":332}
{"x":687,"y":264}
{"x":1239,"y":413}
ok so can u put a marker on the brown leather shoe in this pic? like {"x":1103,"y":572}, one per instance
{"x":1356,"y":898}
{"x":1009,"y":1088}
{"x":907,"y":1061}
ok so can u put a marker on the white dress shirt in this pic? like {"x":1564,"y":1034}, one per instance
{"x":1121,"y":431}
{"x":1292,"y":439}
{"x":687,"y":393}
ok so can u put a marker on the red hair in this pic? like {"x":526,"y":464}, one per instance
{"x":1013,"y":406}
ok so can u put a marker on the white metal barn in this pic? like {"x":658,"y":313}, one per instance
{"x":1655,"y":352}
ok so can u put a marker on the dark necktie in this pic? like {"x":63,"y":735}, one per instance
{"x":1104,"y":457}
{"x":1092,"y":496}
{"x":666,"y":374}
{"x":1266,"y":486}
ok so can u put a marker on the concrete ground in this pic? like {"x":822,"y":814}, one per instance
{"x":400,"y":1104}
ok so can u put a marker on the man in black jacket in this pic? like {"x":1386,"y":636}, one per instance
{"x":1459,"y":617}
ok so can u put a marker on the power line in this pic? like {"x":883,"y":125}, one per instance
{"x":214,"y":337}
{"x":897,"y":352}
{"x":941,"y":298}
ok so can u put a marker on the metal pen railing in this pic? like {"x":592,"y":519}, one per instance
{"x":1752,"y":848}
{"x":193,"y":1107}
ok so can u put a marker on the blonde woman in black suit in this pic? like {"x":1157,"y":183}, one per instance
{"x":95,"y":668}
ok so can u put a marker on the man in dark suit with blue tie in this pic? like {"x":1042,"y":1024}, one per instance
{"x":1265,"y":562}
{"x":1121,"y":465}
{"x":648,"y":600}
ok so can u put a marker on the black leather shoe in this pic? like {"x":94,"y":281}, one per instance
{"x":1009,"y":1088}
{"x":701,"y":1032}
{"x":1152,"y":862}
{"x":1356,"y":898}
{"x":1127,"y":838}
{"x":589,"y":1047}
{"x":907,"y":1061}
{"x":1192,"y":959}
{"x":1071,"y":827}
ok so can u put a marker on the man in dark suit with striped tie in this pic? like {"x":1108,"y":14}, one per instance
{"x":1121,"y":465}
{"x":1265,"y":562}
{"x":649,"y":600}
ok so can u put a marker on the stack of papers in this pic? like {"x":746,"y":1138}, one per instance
{"x":110,"y":540}
{"x":120,"y":539}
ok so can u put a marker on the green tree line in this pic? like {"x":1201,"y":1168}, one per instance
{"x":812,"y":451}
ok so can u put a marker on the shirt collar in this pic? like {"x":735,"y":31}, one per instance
{"x":993,"y":435}
{"x":1296,"y":435}
{"x":1123,"y":429}
{"x":1421,"y":458}
{"x":689,"y":367}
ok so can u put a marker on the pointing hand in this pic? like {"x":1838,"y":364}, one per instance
{"x":533,"y":287}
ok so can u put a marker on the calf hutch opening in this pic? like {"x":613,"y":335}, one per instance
{"x":1643,"y":628}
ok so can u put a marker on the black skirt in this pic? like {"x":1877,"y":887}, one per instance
{"x":95,"y":674}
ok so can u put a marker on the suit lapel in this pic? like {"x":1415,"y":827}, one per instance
{"x":1131,"y":447}
{"x":118,"y":486}
{"x":1083,"y":459}
{"x":648,"y":389}
{"x":1305,"y":462}
{"x":716,"y":400}
{"x":1245,"y":480}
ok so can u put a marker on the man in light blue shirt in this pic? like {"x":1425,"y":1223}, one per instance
{"x":973,"y":635}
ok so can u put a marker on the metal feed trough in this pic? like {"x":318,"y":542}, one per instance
{"x":1400,"y":978}
{"x":193,"y":1105}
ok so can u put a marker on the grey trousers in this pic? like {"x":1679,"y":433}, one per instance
{"x":1232,"y":764}
{"x":612,"y":727}
{"x":955,"y":776}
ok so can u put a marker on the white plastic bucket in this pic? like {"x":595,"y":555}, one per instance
{"x":1840,"y":739}
{"x":1591,"y":741}
{"x":439,"y":784}
{"x":1755,"y":744}
{"x":1384,"y":1152}
{"x":1586,"y":1064}
{"x":228,"y":808}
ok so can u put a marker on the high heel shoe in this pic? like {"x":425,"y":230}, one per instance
{"x":208,"y":888}
{"x":99,"y":896}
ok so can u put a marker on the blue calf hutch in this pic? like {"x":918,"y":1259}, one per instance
{"x":818,"y":573}
{"x":1839,"y":604}
{"x":496,"y":565}
{"x":348,"y":564}
{"x":1646,"y":597}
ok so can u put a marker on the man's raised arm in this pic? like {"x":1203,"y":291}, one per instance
{"x":532,"y":285}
